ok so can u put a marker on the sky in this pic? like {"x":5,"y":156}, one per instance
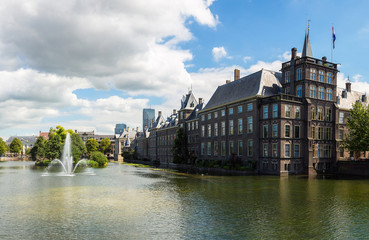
{"x":90,"y":64}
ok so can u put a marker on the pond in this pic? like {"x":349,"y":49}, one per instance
{"x":125,"y":202}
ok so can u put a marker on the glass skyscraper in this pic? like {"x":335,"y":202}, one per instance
{"x":148,"y":117}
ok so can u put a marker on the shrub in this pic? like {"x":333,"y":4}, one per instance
{"x":99,"y":158}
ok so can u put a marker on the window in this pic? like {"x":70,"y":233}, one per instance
{"x":328,"y":133}
{"x":192,"y":125}
{"x":313,"y":113}
{"x":231,"y":147}
{"x":341,"y":118}
{"x":320,"y":133}
{"x":209,"y":116}
{"x":329,"y":78}
{"x":313,"y":132}
{"x":265,"y":150}
{"x":215,"y":148}
{"x":287,"y":90}
{"x":209,"y":148}
{"x":274,"y":150}
{"x":297,"y":112}
{"x":320,"y":114}
{"x":250,"y":148}
{"x":223,"y":128}
{"x":230,"y":111}
{"x":202,"y":130}
{"x":287,"y":150}
{"x":297,"y":131}
{"x":240,"y":127}
{"x":215,"y":114}
{"x":287,"y":77}
{"x":265,"y":131}
{"x":320,"y":151}
{"x":299,"y":74}
{"x":297,"y":150}
{"x":299,"y":91}
{"x":321,"y":93}
{"x":197,"y":125}
{"x":342,"y":151}
{"x":222,"y":113}
{"x":340,"y":135}
{"x":328,"y":115}
{"x":240,"y":148}
{"x":287,"y":132}
{"x":275,"y":111}
{"x":321,"y":76}
{"x":249,"y":107}
{"x":275,"y":130}
{"x":189,"y":126}
{"x":265,"y":112}
{"x":249,"y":124}
{"x":202,"y":117}
{"x":312,"y":91}
{"x":209,"y":130}
{"x":288,"y":111}
{"x":230,"y":127}
{"x":202,"y":149}
{"x":329,"y":94}
{"x":312,"y":73}
{"x":239,"y":109}
{"x":287,"y":167}
{"x":216,"y":129}
{"x":222,"y":148}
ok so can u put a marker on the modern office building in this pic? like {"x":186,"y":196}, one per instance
{"x":119,"y":128}
{"x":148,"y":117}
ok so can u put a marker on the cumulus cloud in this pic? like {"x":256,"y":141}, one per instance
{"x":246,"y":59}
{"x":219,"y":53}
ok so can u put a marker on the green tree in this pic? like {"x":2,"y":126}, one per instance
{"x":99,"y":158}
{"x":358,"y":125}
{"x":3,"y":147}
{"x":92,"y":145}
{"x":16,"y":146}
{"x":59,"y":130}
{"x":105,"y":145}
{"x":179,"y":148}
{"x":78,"y":146}
{"x":54,"y":146}
{"x":39,"y":149}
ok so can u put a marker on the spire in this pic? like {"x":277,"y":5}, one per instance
{"x":306,"y":49}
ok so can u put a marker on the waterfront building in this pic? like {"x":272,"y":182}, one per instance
{"x":287,"y":122}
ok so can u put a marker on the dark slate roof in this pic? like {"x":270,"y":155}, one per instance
{"x":261,"y":83}
{"x":194,"y":114}
{"x":306,"y":49}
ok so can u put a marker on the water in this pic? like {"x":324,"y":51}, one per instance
{"x":124,"y":202}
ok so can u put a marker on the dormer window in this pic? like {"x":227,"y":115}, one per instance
{"x":192,"y":105}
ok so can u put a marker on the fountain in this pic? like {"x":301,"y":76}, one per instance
{"x":66,"y":161}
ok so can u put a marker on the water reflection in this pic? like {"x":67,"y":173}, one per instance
{"x":123,"y":202}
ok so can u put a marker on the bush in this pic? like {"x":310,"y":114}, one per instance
{"x":92,"y":163}
{"x":99,"y":158}
{"x":43,"y":163}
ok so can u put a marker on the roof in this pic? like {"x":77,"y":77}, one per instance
{"x":188,"y":101}
{"x":194,"y":114}
{"x":347,"y":102}
{"x":26,"y":140}
{"x":261,"y":83}
{"x":306,"y":49}
{"x":158,"y":122}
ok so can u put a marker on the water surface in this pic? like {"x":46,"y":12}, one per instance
{"x":124,"y":202}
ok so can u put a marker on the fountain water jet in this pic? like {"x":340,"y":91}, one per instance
{"x":67,"y":159}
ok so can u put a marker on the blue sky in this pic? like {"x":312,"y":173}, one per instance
{"x":89,"y":65}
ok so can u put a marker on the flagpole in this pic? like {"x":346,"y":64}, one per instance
{"x":332,"y":45}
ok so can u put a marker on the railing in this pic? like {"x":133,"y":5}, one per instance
{"x":311,"y":60}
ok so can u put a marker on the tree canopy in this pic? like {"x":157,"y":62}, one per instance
{"x":358,"y":125}
{"x":92,"y":145}
{"x":16,"y":146}
{"x":105,"y":145}
{"x":3,"y":147}
{"x":179,"y":148}
{"x":39,"y":149}
{"x":54,"y":146}
{"x":78,"y":146}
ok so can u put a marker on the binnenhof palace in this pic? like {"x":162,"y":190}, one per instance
{"x":288,"y":122}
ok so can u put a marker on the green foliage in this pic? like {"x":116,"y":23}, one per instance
{"x":132,"y":154}
{"x":3,"y":147}
{"x":179,"y":148}
{"x":99,"y":158}
{"x":358,"y":124}
{"x":92,"y":163}
{"x":16,"y":146}
{"x":78,"y":146}
{"x":105,"y":145}
{"x":43,"y":163}
{"x":39,"y":149}
{"x":53,"y":147}
{"x":92,"y":145}
{"x":59,"y":130}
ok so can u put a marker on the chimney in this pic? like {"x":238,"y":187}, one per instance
{"x":236,"y":74}
{"x":136,"y":129}
{"x":324,"y":59}
{"x":228,"y":81}
{"x":363,"y":98}
{"x":200,"y":100}
{"x":293,"y":53}
{"x":348,"y":86}
{"x":174,"y":111}
{"x":128,"y":129}
{"x":159,"y":113}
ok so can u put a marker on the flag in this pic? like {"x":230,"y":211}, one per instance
{"x":333,"y":37}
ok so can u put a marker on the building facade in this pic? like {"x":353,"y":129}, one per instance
{"x":287,"y":122}
{"x":148,"y":117}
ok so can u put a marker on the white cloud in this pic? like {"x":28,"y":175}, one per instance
{"x":246,"y":59}
{"x":219,"y":53}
